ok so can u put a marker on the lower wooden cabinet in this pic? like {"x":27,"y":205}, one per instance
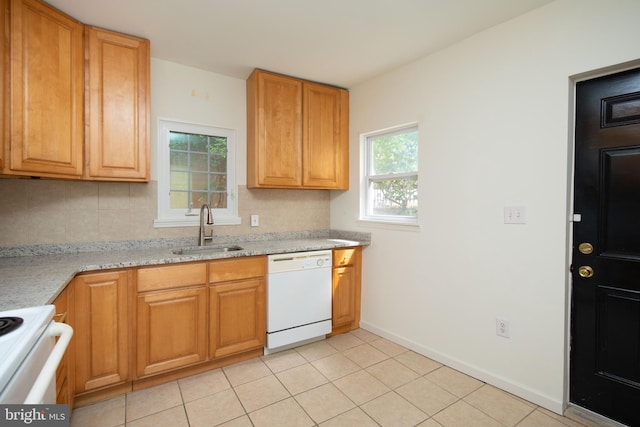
{"x":171,"y":329}
{"x":346,"y":289}
{"x":147,"y":324}
{"x":101,"y":324}
{"x":65,"y":374}
{"x":172,"y":308}
{"x":237,"y":306}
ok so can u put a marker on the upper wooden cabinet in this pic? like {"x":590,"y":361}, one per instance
{"x":274,"y":131}
{"x":117,"y":106}
{"x":47,"y":89}
{"x":325,"y":142}
{"x":79,"y":98}
{"x":297,"y":133}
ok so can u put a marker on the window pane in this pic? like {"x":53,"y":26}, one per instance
{"x":179,"y":160}
{"x":218,"y":146}
{"x":178,"y":200}
{"x":178,"y":141}
{"x":218,"y":152}
{"x":218,"y":163}
{"x":198,"y":170}
{"x":218,"y":182}
{"x":198,"y":143}
{"x":198,"y":161}
{"x":395,"y":197}
{"x":395,"y":153}
{"x":179,"y":181}
{"x":197,"y":199}
{"x":218,"y":200}
{"x":199,"y":182}
{"x":199,"y":167}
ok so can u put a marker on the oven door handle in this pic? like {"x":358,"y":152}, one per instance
{"x":48,"y":372}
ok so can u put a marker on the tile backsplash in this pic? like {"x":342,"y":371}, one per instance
{"x":37,"y":211}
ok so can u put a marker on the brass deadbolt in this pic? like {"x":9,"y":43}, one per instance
{"x":585,"y":248}
{"x":585,"y":271}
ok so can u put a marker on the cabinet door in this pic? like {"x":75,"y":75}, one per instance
{"x":347,"y":277}
{"x":274,"y":131}
{"x":344,"y":296}
{"x":118,"y":106}
{"x":101,"y":330}
{"x":171,"y":329}
{"x":64,"y":373}
{"x":326,"y":137}
{"x":47,"y":89}
{"x":4,"y":82}
{"x":238,"y":317}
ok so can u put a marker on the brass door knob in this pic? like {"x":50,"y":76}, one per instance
{"x":585,"y":271}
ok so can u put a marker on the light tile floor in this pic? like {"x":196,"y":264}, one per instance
{"x":355,"y":379}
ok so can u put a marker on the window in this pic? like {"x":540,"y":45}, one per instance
{"x":390,"y":181}
{"x":196,"y":166}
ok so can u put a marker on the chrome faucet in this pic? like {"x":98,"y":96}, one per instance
{"x":202,"y":237}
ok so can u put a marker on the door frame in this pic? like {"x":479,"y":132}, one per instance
{"x":573,"y":80}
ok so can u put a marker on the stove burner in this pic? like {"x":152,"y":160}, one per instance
{"x":8,"y":324}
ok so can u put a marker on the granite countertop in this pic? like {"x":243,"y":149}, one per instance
{"x":35,"y":275}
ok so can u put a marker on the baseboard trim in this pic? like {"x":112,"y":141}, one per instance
{"x":483,"y":375}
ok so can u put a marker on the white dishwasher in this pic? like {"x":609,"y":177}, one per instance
{"x":298,"y":299}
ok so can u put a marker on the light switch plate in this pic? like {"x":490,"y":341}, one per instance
{"x":255,"y":220}
{"x":515,"y":215}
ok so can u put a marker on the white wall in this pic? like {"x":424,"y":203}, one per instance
{"x":494,"y":114}
{"x":197,"y":96}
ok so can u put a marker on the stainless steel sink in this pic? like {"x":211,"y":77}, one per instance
{"x":206,"y":249}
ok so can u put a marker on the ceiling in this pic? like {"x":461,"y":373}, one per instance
{"x":339,"y":42}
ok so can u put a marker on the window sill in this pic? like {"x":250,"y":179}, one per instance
{"x":389,"y":225}
{"x":194,"y":221}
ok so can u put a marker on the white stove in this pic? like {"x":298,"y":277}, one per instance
{"x":30,"y":356}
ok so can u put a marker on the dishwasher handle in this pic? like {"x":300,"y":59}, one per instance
{"x":48,"y":372}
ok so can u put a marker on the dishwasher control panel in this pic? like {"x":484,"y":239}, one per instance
{"x":299,"y":261}
{"x":319,"y":262}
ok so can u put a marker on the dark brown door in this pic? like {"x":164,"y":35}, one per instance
{"x":605,"y":320}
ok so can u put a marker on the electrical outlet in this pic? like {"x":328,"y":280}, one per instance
{"x":515,"y":215}
{"x":255,"y":220}
{"x":502,"y":328}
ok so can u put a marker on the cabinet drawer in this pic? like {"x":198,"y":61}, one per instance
{"x":151,"y":279}
{"x":237,"y":268}
{"x":344,"y":256}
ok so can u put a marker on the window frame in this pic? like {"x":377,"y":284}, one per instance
{"x":167,"y":217}
{"x":367,"y":178}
